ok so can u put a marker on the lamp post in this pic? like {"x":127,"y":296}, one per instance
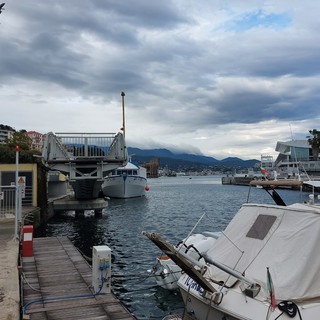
{"x":17,"y":194}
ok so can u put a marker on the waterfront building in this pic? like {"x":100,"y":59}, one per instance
{"x":296,"y":156}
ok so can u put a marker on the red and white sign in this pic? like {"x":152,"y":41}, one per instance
{"x":22,"y":184}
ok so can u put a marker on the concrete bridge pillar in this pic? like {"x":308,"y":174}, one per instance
{"x":98,"y":213}
{"x":79,"y":213}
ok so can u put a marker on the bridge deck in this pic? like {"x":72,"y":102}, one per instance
{"x":59,"y":273}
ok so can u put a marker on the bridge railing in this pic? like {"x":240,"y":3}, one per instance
{"x":77,"y":146}
{"x":86,"y":144}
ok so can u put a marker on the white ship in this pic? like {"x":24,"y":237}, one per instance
{"x":126,"y":182}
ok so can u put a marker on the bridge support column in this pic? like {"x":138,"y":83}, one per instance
{"x":79,"y":213}
{"x":98,"y":213}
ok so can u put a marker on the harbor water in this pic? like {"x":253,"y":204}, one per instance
{"x":172,"y":207}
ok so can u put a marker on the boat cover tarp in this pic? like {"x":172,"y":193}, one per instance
{"x":311,"y":183}
{"x":288,"y":242}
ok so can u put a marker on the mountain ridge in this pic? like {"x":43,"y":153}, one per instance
{"x":180,"y":160}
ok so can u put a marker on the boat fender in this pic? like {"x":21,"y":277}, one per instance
{"x":289,"y":308}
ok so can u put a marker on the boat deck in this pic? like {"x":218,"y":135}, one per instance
{"x":57,"y":285}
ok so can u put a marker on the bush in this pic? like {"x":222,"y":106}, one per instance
{"x":8,"y":155}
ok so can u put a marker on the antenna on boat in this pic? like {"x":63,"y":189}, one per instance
{"x":123,"y":115}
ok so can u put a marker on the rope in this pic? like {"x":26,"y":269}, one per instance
{"x":289,"y":308}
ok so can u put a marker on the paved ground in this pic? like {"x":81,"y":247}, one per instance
{"x":9,"y":278}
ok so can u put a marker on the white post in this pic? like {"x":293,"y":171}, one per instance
{"x":17,"y":195}
{"x":20,"y":187}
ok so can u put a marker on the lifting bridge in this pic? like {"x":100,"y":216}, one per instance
{"x":86,"y":158}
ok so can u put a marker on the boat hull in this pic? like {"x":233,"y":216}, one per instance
{"x":198,"y":308}
{"x":230,"y":304}
{"x":234,"y":305}
{"x":123,"y":187}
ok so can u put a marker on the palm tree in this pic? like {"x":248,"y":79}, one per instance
{"x":314,"y":142}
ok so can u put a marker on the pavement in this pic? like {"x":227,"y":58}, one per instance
{"x":9,"y":275}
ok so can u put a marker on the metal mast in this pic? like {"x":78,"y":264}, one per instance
{"x":123,"y":115}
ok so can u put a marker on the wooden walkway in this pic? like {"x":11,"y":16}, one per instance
{"x":57,"y":272}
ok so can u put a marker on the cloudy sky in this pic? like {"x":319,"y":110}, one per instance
{"x":221,"y":77}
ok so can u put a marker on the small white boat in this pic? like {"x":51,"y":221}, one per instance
{"x":126,"y":182}
{"x":264,"y":265}
{"x":167,"y":273}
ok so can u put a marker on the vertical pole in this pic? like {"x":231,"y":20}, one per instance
{"x":20,"y":206}
{"x":86,"y":149}
{"x":17,"y":195}
{"x":123,"y":115}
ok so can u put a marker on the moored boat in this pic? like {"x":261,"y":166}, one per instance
{"x":126,"y":182}
{"x":264,"y":265}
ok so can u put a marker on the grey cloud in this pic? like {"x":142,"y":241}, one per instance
{"x":177,"y":61}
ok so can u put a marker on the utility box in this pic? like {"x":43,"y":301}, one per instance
{"x":101,"y":269}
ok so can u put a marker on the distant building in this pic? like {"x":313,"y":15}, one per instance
{"x":267,"y":162}
{"x":294,"y":155}
{"x":6,"y":132}
{"x":37,"y":140}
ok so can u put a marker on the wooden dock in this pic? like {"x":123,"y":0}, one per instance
{"x":57,"y":285}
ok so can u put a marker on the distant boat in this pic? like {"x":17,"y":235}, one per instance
{"x":126,"y":182}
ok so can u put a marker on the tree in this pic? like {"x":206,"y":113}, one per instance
{"x":20,"y":139}
{"x":314,"y":142}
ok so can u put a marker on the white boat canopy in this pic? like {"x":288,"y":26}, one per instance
{"x":285,"y":239}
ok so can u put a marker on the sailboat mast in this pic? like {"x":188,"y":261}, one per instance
{"x":123,"y":115}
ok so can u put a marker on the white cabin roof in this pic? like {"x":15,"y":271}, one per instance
{"x":129,"y":166}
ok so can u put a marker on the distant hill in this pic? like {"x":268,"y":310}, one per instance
{"x":184,"y":161}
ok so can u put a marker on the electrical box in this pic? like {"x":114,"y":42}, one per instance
{"x":101,"y":269}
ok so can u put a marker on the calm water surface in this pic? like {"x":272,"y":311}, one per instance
{"x":171,"y":207}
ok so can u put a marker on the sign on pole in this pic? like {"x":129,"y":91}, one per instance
{"x":22,"y":184}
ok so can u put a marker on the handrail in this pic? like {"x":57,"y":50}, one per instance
{"x":227,"y":269}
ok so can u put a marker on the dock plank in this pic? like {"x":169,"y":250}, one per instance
{"x":58,"y":285}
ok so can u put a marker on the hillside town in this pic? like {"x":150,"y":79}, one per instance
{"x":295,"y":157}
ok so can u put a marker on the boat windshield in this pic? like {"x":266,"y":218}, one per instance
{"x":130,"y":172}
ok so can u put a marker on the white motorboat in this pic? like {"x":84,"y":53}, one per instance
{"x":167,"y":272}
{"x":126,"y":182}
{"x":264,"y":265}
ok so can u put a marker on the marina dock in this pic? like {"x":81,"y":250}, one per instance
{"x":58,"y":285}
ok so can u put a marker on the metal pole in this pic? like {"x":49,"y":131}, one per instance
{"x":123,"y":115}
{"x":226,"y":269}
{"x":20,"y":207}
{"x":17,"y":195}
